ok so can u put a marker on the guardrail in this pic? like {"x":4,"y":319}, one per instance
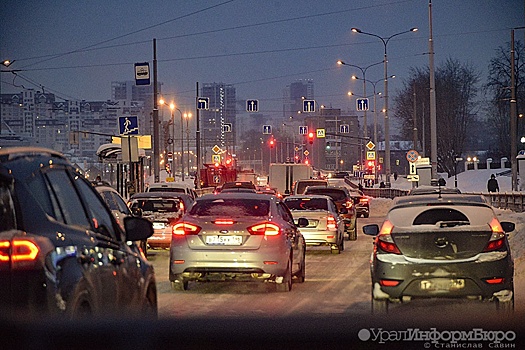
{"x":511,"y":201}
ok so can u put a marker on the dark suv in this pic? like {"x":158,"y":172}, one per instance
{"x":62,"y":251}
{"x":346,"y":205}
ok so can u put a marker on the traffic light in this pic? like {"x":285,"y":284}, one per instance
{"x":311,"y":138}
{"x":229,"y":162}
{"x":306,"y":161}
{"x":168,"y":168}
{"x":272,"y":143}
{"x":371,"y":164}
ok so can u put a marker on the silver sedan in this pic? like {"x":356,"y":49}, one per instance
{"x":325,"y":226}
{"x":237,"y":236}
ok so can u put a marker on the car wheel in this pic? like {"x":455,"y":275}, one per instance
{"x":379,"y":306}
{"x":149,"y":309}
{"x":335,"y":249}
{"x":79,"y":307}
{"x":352,"y":235}
{"x":505,"y":304}
{"x":180,"y":284}
{"x":366,"y":215}
{"x":300,"y":275}
{"x":342,"y":244}
{"x":286,"y":284}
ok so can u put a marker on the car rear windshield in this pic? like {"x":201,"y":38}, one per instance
{"x":337,"y":195}
{"x":231,"y":207}
{"x":301,"y":185}
{"x":238,"y":185}
{"x":157,"y":205}
{"x":306,"y":203}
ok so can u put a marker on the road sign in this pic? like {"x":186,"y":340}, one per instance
{"x":216,"y":158}
{"x":306,"y":153}
{"x":344,"y":129}
{"x":321,"y":133}
{"x":170,"y":156}
{"x":370,"y":145}
{"x":303,"y":130}
{"x":252,"y":105}
{"x":267,"y":129}
{"x":412,"y":155}
{"x":308,"y":106}
{"x":216,"y":179}
{"x":361,"y":104}
{"x":128,"y":125}
{"x":227,"y":127}
{"x":413,"y":178}
{"x":142,"y":76}
{"x":216,"y":149}
{"x":370,"y":155}
{"x":413,"y":168}
{"x":203,"y":102}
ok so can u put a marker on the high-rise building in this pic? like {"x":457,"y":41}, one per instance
{"x":294,"y":94}
{"x":218,"y":123}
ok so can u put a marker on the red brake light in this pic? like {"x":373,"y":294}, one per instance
{"x":389,"y":283}
{"x":363,"y":199}
{"x":497,"y":240}
{"x":384,"y":239}
{"x":265,"y":228}
{"x":183,"y":228}
{"x":18,"y":250}
{"x":495,"y":280}
{"x":223,"y":222}
{"x":349,"y":204}
{"x":331,"y":224}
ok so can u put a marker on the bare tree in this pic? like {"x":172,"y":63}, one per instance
{"x":456,"y":90}
{"x":498,"y":92}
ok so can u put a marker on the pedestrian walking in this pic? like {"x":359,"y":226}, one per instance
{"x":492,"y":184}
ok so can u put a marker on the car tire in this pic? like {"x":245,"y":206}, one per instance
{"x":342,"y":244}
{"x":180,"y":285}
{"x":505,"y":307}
{"x":150,"y":309}
{"x":80,"y":306}
{"x":352,"y":235}
{"x":366,"y":215}
{"x":286,"y":284}
{"x":301,"y":274}
{"x":335,"y":249}
{"x":379,"y":306}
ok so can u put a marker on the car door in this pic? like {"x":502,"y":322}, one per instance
{"x":293,"y":233}
{"x":123,"y":262}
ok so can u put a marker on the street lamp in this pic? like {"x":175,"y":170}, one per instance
{"x":387,"y":127}
{"x":173,"y":108}
{"x":363,"y":71}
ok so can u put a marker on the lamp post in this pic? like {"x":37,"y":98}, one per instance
{"x":363,"y":71}
{"x":187,"y":116}
{"x":385,"y":41}
{"x":374,"y":83}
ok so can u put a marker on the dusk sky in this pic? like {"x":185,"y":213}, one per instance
{"x":76,"y":48}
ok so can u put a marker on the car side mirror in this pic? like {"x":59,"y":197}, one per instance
{"x":302,"y":222}
{"x":508,"y":226}
{"x":136,"y":212}
{"x":343,"y":210}
{"x":371,"y":230}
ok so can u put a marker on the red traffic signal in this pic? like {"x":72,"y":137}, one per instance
{"x":272,"y":143}
{"x":311,"y":138}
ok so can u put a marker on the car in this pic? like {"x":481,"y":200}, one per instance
{"x":362,"y":203}
{"x":177,"y":187}
{"x":299,"y":186}
{"x":237,"y":236}
{"x":340,"y":174}
{"x":62,"y":252}
{"x":163,"y":209}
{"x":119,"y":208}
{"x":432,"y":189}
{"x":441,"y":246}
{"x":346,"y":205}
{"x":325,"y":226}
{"x":238,"y":190}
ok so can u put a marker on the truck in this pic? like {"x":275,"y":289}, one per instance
{"x":282,"y":176}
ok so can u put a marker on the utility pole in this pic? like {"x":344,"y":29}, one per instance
{"x":156,"y":140}
{"x":198,"y":139}
{"x":433,"y":117}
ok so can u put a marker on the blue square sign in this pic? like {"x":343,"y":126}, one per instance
{"x":128,"y":125}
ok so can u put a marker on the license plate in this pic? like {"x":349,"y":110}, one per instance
{"x":158,"y":225}
{"x":442,"y":284}
{"x":224,"y":240}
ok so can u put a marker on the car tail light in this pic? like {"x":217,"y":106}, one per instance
{"x":265,"y":228}
{"x":349,"y":204}
{"x":495,"y":280}
{"x":18,"y":251}
{"x":181,"y":206}
{"x":224,"y":222}
{"x":330,"y":223}
{"x":497,"y":239}
{"x":384,"y":239}
{"x":184,"y":229}
{"x":389,"y":283}
{"x":363,"y":200}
